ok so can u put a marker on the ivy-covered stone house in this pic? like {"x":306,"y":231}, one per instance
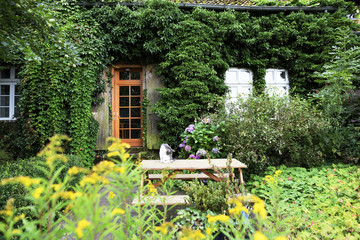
{"x":158,"y":64}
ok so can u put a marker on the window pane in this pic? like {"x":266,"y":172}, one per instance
{"x":124,"y":76}
{"x":135,"y":90}
{"x":135,"y":112}
{"x":124,"y":101}
{"x":135,"y":101}
{"x":135,"y":123}
{"x":4,"y":101}
{"x":5,"y":90}
{"x":135,"y":76}
{"x":5,"y":73}
{"x":124,"y":134}
{"x":124,"y":91}
{"x":124,"y":112}
{"x":4,"y":112}
{"x":124,"y":123}
{"x":135,"y":134}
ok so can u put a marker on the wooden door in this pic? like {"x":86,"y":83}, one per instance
{"x":127,"y":104}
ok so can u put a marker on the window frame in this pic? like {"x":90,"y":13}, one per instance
{"x":274,"y":86}
{"x":12,"y":82}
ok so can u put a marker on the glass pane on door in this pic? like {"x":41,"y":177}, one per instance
{"x":129,"y":112}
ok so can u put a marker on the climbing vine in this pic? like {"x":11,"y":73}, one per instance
{"x":192,"y":50}
{"x":59,"y":90}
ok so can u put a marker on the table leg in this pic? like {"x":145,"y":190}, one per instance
{"x":241,"y":176}
{"x":164,"y":179}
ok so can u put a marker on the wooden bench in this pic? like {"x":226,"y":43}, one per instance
{"x":167,"y":200}
{"x":200,"y":176}
{"x":161,"y":200}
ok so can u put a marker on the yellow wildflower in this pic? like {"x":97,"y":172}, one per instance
{"x":269,"y":179}
{"x":24,"y":180}
{"x":36,"y":194}
{"x":188,"y":233}
{"x":117,"y":148}
{"x":117,"y":211}
{"x":117,"y":145}
{"x":66,"y":195}
{"x":16,"y":232}
{"x":152,"y":188}
{"x":113,"y":154}
{"x":111,"y":194}
{"x":93,"y":179}
{"x":104,"y":166}
{"x":259,"y":236}
{"x":281,"y":238}
{"x":238,"y":207}
{"x":17,"y":218}
{"x":70,"y":195}
{"x":259,"y":207}
{"x":209,"y":231}
{"x":221,"y":218}
{"x":75,"y":170}
{"x":163,"y":227}
{"x":68,"y":207}
{"x":120,"y":169}
{"x":277,"y":173}
{"x":51,"y":159}
{"x":8,"y":210}
{"x":56,"y":186}
{"x":81,"y":226}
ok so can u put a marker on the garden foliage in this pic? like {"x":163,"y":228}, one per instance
{"x":320,"y":203}
{"x":192,"y":49}
{"x":262,"y":131}
{"x":339,"y":101}
{"x":58,"y":212}
{"x":31,"y":167}
{"x":212,"y":196}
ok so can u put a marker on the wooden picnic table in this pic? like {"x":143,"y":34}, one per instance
{"x":203,"y":165}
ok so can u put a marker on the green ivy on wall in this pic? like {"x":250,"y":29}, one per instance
{"x":192,"y":49}
{"x":59,"y":90}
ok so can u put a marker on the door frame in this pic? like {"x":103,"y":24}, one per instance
{"x":115,"y":104}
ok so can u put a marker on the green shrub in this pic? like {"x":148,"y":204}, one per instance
{"x":27,"y":167}
{"x":4,"y":156}
{"x":212,"y":196}
{"x":340,"y":103}
{"x":261,"y":131}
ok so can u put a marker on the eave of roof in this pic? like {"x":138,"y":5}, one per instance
{"x":268,"y":9}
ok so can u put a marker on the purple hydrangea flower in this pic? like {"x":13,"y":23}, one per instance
{"x":187,"y":148}
{"x":197,"y":157}
{"x":192,"y":156}
{"x":201,"y":152}
{"x":216,"y":138}
{"x":215,"y":150}
{"x":184,"y":140}
{"x":181,"y":145}
{"x":190,"y":128}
